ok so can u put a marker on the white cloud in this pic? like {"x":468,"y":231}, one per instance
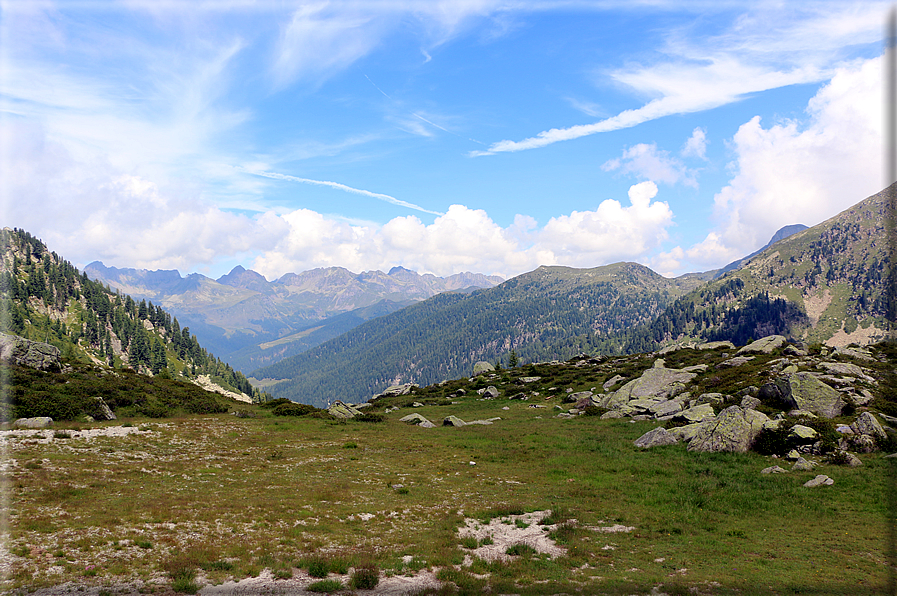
{"x":646,"y":161}
{"x":696,"y":145}
{"x":804,"y":172}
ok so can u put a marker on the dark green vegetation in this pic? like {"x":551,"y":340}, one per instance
{"x":234,"y":496}
{"x":45,"y":298}
{"x":69,"y":395}
{"x":819,"y":283}
{"x":553,"y":312}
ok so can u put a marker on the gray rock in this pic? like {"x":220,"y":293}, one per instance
{"x":773,"y":470}
{"x":340,"y":410}
{"x":736,"y":361}
{"x":750,"y":403}
{"x":804,"y":433}
{"x":413,"y":419}
{"x":858,"y":353}
{"x":805,"y":392}
{"x":867,"y":424}
{"x":480,"y":422}
{"x":764,"y":345}
{"x":713,"y":345}
{"x":846,"y":369}
{"x":696,"y":368}
{"x":733,"y":430}
{"x":772,"y":424}
{"x":482,"y":367}
{"x":710,"y":398}
{"x":665,"y":408}
{"x":611,"y":414}
{"x":795,"y":351}
{"x":491,"y":392}
{"x":575,"y":397}
{"x":697,"y":413}
{"x":687,"y":432}
{"x":655,"y":382}
{"x":654,"y":438}
{"x":98,"y":410}
{"x":792,"y":455}
{"x":643,"y":404}
{"x":802,"y":465}
{"x":39,"y":422}
{"x":417,"y":404}
{"x":452,"y":421}
{"x":613,"y":381}
{"x":529,"y":379}
{"x":821,"y":480}
{"x":427,"y":424}
{"x":798,"y":413}
{"x":565,"y":415}
{"x":24,"y":352}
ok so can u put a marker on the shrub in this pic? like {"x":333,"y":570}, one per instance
{"x":369,"y":418}
{"x":469,"y":542}
{"x":276,"y":402}
{"x":487,"y":541}
{"x":325,"y":586}
{"x":520,"y":550}
{"x":283,"y":573}
{"x":772,"y":441}
{"x":365,"y":578}
{"x":293,"y":409}
{"x":318,"y":567}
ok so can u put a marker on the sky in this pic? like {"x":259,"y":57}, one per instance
{"x":444,"y":136}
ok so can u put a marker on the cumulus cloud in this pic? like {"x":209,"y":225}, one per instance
{"x":466,"y":239}
{"x":696,"y":145}
{"x":804,"y":171}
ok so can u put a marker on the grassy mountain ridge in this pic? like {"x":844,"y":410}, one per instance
{"x":46,"y":299}
{"x":551,"y":312}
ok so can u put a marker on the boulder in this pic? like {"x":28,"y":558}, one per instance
{"x":665,"y":408}
{"x":613,"y":381}
{"x":736,"y":361}
{"x":858,"y":443}
{"x":795,"y":351}
{"x":750,"y":403}
{"x":697,"y":413}
{"x":414,"y":419}
{"x":24,"y":352}
{"x":395,"y":390}
{"x":482,"y":367}
{"x":39,"y":422}
{"x":764,"y":345}
{"x":98,"y":410}
{"x":803,"y":433}
{"x":710,"y":398}
{"x":655,"y":382}
{"x":858,"y":353}
{"x":806,"y":392}
{"x":686,"y":433}
{"x":867,"y":424}
{"x":802,"y":465}
{"x":452,"y":421}
{"x":575,"y":397}
{"x":654,"y":438}
{"x":846,"y":369}
{"x":340,"y":410}
{"x":490,"y":393}
{"x":821,"y":480}
{"x":773,"y":470}
{"x":528,"y":379}
{"x":734,"y":429}
{"x":713,"y":345}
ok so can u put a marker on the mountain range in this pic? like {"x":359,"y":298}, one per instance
{"x":252,"y":322}
{"x":820,"y":285}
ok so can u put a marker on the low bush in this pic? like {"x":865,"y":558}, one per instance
{"x":275,"y":402}
{"x":365,"y":578}
{"x":293,"y":409}
{"x":520,"y":550}
{"x":325,"y":586}
{"x":318,"y":567}
{"x":369,"y":418}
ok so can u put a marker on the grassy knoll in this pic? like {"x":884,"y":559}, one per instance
{"x":224,"y":497}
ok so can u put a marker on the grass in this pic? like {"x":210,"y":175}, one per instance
{"x":326,"y":586}
{"x":234,"y":496}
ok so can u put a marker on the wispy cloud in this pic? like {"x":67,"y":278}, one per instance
{"x":768,"y":49}
{"x":343,"y":187}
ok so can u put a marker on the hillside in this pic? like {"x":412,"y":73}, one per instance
{"x":552,"y":312}
{"x":46,"y":299}
{"x":241,"y":315}
{"x":825,"y":284}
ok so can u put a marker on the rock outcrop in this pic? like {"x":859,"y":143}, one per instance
{"x":733,"y":430}
{"x":24,"y":352}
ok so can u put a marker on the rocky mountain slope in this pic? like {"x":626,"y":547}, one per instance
{"x":252,"y":322}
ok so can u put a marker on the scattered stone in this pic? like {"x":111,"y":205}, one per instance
{"x":482,"y":367}
{"x":653,"y":438}
{"x":792,"y":455}
{"x":453,"y":421}
{"x":395,"y":391}
{"x":802,"y":465}
{"x":414,"y":419}
{"x":490,"y":392}
{"x":529,"y":379}
{"x":39,"y":422}
{"x":821,"y":480}
{"x":765,"y":345}
{"x":736,"y":361}
{"x":774,"y":470}
{"x":417,"y":404}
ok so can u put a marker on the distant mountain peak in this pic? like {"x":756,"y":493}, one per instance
{"x":398,"y":269}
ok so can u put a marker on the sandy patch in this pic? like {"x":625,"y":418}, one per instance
{"x":506,"y":531}
{"x":816,"y":304}
{"x":860,"y":336}
{"x":265,"y":583}
{"x":45,"y":435}
{"x":206,"y":383}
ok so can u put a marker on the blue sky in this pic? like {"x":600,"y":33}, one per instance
{"x":477,"y":135}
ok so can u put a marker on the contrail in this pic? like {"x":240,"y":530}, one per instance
{"x":338,"y":186}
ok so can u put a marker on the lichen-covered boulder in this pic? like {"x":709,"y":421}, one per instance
{"x":803,"y":433}
{"x":482,"y":367}
{"x":821,"y":480}
{"x":654,"y":438}
{"x":687,"y":432}
{"x":99,"y":410}
{"x":340,"y":410}
{"x":655,"y":382}
{"x":867,"y":424}
{"x":750,"y":403}
{"x":490,"y":393}
{"x":734,"y":429}
{"x":39,"y":422}
{"x":453,"y":421}
{"x":806,"y":392}
{"x":713,"y":345}
{"x":694,"y":414}
{"x":413,"y":419}
{"x":764,"y":345}
{"x":24,"y":352}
